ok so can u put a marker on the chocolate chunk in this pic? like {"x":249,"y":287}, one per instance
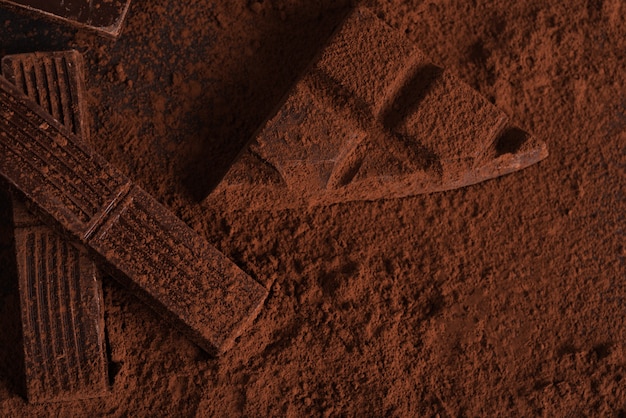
{"x":177,"y":273}
{"x":155,"y":254}
{"x":308,"y":141}
{"x":103,"y":16}
{"x":61,"y":296}
{"x":451,"y":122}
{"x":62,"y":317}
{"x":353,"y":128}
{"x":54,"y":80}
{"x":368,"y":59}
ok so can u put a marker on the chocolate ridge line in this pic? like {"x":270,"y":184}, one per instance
{"x":204,"y":290}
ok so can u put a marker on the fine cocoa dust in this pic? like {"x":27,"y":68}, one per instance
{"x":503,"y":298}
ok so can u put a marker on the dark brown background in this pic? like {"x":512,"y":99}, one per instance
{"x":508,"y":297}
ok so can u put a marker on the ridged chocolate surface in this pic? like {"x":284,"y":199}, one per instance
{"x":72,"y":184}
{"x":209,"y":298}
{"x":354,"y":128}
{"x":54,"y":81}
{"x":62,"y":318}
{"x":61,"y":297}
{"x":104,"y":16}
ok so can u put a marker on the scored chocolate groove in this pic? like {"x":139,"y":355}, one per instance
{"x":149,"y":249}
{"x":372,"y":118}
{"x":55,"y":81}
{"x":62,"y":317}
{"x":103,"y":16}
{"x":60,"y":292}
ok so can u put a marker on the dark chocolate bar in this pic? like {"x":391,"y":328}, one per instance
{"x":149,"y":249}
{"x":103,"y":16}
{"x":62,"y":315}
{"x":372,"y":119}
{"x":60,"y":293}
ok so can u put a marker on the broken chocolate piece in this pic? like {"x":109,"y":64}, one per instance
{"x":62,"y":316}
{"x":149,"y":249}
{"x":353,"y":128}
{"x":54,"y":80}
{"x":368,"y":61}
{"x":103,"y":16}
{"x":61,"y":297}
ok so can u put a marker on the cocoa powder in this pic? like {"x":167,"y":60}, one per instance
{"x":503,"y":298}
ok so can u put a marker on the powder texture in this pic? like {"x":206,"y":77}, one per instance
{"x":505,"y":298}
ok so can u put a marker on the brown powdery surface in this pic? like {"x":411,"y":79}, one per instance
{"x":505,"y":298}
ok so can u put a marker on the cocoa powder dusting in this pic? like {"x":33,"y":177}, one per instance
{"x":505,"y":298}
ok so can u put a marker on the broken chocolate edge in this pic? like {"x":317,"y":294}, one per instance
{"x":112,"y":31}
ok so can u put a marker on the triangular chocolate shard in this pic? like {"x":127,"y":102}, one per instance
{"x":354,"y":128}
{"x":60,"y":291}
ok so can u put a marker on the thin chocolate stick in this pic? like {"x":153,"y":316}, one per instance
{"x":145,"y":246}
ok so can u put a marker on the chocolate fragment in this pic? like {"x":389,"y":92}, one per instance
{"x":357,"y":129}
{"x":54,"y":80}
{"x":367,"y":61}
{"x":150,"y":250}
{"x":61,"y":296}
{"x":62,"y":316}
{"x":103,"y":16}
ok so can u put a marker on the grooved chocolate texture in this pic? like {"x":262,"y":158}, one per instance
{"x":62,"y":318}
{"x":357,"y":128}
{"x":61,"y":296}
{"x":155,"y":254}
{"x":54,"y":80}
{"x":103,"y":16}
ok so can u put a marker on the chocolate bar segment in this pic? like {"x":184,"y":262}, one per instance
{"x":176,"y":272}
{"x":61,"y":296}
{"x":62,"y":317}
{"x":171,"y":268}
{"x":73,"y":186}
{"x":306,"y":141}
{"x":453,"y":122}
{"x":54,"y":80}
{"x":378,"y":121}
{"x":368,"y":60}
{"x":103,"y":16}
